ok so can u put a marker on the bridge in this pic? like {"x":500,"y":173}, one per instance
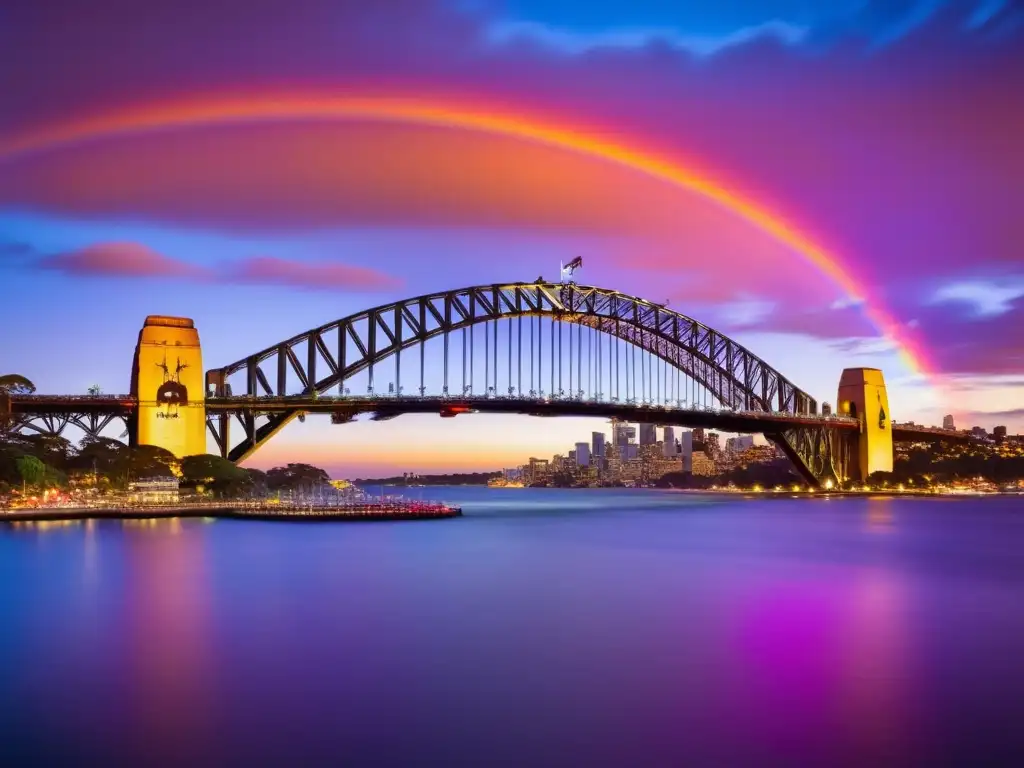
{"x":541,"y":349}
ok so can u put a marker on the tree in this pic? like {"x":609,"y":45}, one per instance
{"x":110,"y":459}
{"x":94,"y":390}
{"x":31,"y":470}
{"x":54,"y":450}
{"x":151,"y":461}
{"x":16,"y":384}
{"x":296,"y":477}
{"x":218,"y":474}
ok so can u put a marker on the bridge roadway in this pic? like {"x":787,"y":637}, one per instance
{"x":387,"y":407}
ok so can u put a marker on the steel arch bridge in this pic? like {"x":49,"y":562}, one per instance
{"x":622,"y":356}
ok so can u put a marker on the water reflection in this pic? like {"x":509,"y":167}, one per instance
{"x":552,"y":629}
{"x":167,"y":614}
{"x":878,"y":708}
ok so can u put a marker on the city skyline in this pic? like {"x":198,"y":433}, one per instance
{"x":533,"y":134}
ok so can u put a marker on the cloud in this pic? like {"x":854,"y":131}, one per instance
{"x":265,"y":270}
{"x":137,"y":261}
{"x":575,"y":42}
{"x":984,"y":298}
{"x":119,"y":260}
{"x":846,"y":324}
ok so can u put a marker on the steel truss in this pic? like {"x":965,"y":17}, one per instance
{"x":91,"y":424}
{"x":322,"y":359}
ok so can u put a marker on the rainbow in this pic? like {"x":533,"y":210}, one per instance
{"x":450,"y":114}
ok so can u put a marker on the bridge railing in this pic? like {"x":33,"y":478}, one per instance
{"x":469,"y":399}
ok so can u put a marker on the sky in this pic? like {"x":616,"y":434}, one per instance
{"x":266,"y":166}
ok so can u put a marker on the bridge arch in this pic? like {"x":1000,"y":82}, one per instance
{"x":323,"y":359}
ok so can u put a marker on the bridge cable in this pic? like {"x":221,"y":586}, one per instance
{"x":519,"y":354}
{"x":561,"y":325}
{"x":445,"y":390}
{"x":551,"y":392}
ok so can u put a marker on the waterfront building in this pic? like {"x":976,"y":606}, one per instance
{"x":582,"y":455}
{"x":538,"y":470}
{"x":648,"y":434}
{"x":154,"y":490}
{"x":947,"y":422}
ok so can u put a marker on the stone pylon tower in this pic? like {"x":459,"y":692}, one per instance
{"x":862,"y":395}
{"x":167,"y":380}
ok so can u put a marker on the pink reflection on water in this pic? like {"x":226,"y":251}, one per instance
{"x":823,"y":651}
{"x":168,"y":620}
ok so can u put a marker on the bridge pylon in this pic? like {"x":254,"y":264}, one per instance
{"x":167,"y":381}
{"x":862,"y":394}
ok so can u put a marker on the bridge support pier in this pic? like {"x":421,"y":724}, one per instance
{"x":821,"y":453}
{"x":167,"y":380}
{"x":862,"y":394}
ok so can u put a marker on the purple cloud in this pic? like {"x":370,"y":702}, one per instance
{"x":134,"y":260}
{"x":119,"y":260}
{"x":264,"y":270}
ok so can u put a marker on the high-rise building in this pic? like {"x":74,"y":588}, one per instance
{"x":648,"y":434}
{"x":739,"y":443}
{"x":714,"y":448}
{"x":698,"y":435}
{"x":597,"y":445}
{"x":947,"y":422}
{"x":999,"y":433}
{"x":582,"y":454}
{"x":686,"y":450}
{"x":623,"y":433}
{"x":670,"y":443}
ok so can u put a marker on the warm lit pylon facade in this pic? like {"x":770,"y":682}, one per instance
{"x":862,"y":394}
{"x":167,"y":380}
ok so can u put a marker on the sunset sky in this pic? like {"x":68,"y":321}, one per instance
{"x":268,"y":166}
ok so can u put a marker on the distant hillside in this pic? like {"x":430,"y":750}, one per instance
{"x":458,"y":478}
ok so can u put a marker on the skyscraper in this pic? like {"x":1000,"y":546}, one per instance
{"x":582,"y":454}
{"x":670,"y":443}
{"x":648,"y":434}
{"x":947,"y":422}
{"x":623,"y":433}
{"x":597,"y":445}
{"x":686,"y":450}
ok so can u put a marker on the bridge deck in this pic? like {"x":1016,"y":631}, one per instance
{"x":386,"y":407}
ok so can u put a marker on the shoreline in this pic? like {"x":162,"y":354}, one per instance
{"x":227,"y":512}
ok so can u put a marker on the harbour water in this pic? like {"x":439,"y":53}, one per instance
{"x":544,"y":627}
